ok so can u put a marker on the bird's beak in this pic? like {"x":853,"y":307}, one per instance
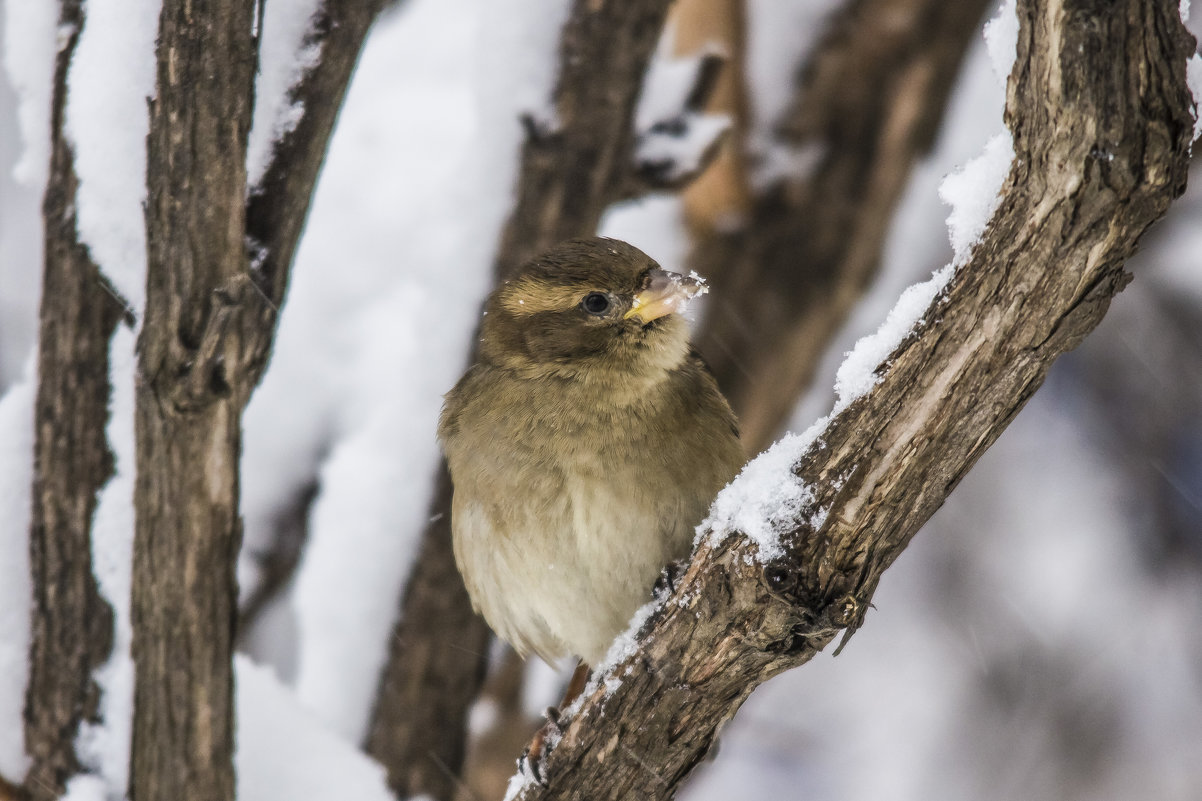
{"x":664,"y":294}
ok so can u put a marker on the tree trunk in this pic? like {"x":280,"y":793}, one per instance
{"x":192,"y":385}
{"x":72,"y":625}
{"x":1101,"y":119}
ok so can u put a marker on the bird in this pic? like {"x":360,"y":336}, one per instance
{"x":585,"y":443}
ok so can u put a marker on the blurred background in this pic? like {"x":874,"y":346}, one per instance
{"x":1040,"y":639}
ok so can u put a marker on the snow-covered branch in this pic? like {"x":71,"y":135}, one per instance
{"x":1101,"y":119}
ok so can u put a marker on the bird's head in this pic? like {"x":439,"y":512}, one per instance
{"x":596,"y":305}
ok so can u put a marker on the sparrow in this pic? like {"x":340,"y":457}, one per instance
{"x":585,"y":444}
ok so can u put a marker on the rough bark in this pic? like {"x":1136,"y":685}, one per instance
{"x":569,"y":175}
{"x":867,"y":105}
{"x":191,"y":387}
{"x":209,"y":325}
{"x":72,"y":625}
{"x":1100,"y":115}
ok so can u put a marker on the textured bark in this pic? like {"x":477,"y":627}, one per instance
{"x":569,"y":176}
{"x":867,"y":106}
{"x":209,"y":325}
{"x":191,"y":387}
{"x":72,"y":625}
{"x":1100,"y":115}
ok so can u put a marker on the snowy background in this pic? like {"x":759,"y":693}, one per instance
{"x":1041,"y":639}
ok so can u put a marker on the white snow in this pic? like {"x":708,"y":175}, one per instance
{"x":665,"y":89}
{"x":1184,"y":10}
{"x":1193,"y":76}
{"x":765,"y":498}
{"x":683,"y":150}
{"x":103,"y":747}
{"x":1001,"y":39}
{"x":668,"y":82}
{"x":112,"y":75}
{"x":283,"y":753}
{"x":973,"y":194}
{"x":16,"y":479}
{"x":780,"y":35}
{"x":284,"y":58}
{"x":517,"y":783}
{"x":859,"y":371}
{"x":31,"y":38}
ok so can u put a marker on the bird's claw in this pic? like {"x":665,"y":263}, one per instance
{"x":531,"y":762}
{"x":668,"y":578}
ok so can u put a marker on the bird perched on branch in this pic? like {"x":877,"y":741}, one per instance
{"x":585,"y":444}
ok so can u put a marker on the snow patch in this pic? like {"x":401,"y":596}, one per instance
{"x":103,"y":747}
{"x":766,"y":497}
{"x":16,"y":481}
{"x":112,"y":75}
{"x":973,"y":194}
{"x":31,"y":40}
{"x":517,"y":783}
{"x":283,"y":753}
{"x":859,"y":371}
{"x":1193,"y":77}
{"x":1001,"y":39}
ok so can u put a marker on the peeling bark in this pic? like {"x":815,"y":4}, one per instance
{"x":1100,"y":115}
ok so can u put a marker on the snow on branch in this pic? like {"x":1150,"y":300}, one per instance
{"x":1094,"y":166}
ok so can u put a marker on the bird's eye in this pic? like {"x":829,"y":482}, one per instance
{"x":595,"y":303}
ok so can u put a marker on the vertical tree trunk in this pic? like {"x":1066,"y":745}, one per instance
{"x":72,"y":625}
{"x":190,"y":393}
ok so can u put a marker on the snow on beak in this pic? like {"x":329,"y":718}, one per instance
{"x":664,"y":294}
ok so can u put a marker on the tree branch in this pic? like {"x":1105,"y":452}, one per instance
{"x":1100,"y":114}
{"x":192,"y":386}
{"x":71,"y":625}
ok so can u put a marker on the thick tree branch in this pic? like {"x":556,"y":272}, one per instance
{"x":1100,"y":115}
{"x":192,"y":386}
{"x":867,"y":106}
{"x":72,"y":625}
{"x":572,"y":169}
